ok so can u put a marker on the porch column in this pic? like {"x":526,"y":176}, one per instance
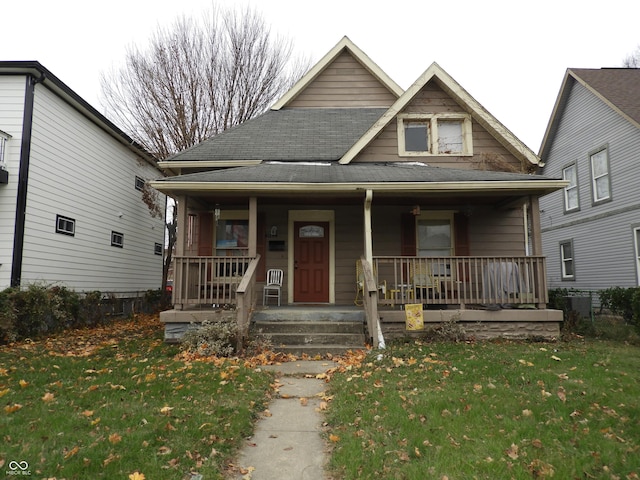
{"x":368,"y":241}
{"x":253,"y":226}
{"x":181,"y":241}
{"x":536,"y":234}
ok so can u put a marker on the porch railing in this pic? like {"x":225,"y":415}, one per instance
{"x":462,"y":281}
{"x":207,"y":280}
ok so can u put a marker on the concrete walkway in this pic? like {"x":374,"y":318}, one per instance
{"x":288,"y":444}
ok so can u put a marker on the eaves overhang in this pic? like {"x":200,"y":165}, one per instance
{"x":497,"y":187}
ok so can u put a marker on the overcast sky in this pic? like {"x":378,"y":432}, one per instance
{"x":511,"y":56}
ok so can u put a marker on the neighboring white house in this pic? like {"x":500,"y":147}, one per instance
{"x":71,"y":211}
{"x":591,"y":228}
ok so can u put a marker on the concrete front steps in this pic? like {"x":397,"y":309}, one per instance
{"x":311,"y":331}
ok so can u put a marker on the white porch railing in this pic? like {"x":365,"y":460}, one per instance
{"x":462,"y":280}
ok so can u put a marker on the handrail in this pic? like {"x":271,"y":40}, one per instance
{"x":370,"y":303}
{"x":246,"y":298}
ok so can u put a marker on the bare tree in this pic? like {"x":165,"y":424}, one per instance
{"x":196,"y":79}
{"x":633,"y":59}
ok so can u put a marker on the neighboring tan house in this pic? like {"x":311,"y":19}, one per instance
{"x":71,"y":212}
{"x":429,"y":193}
{"x":591,"y":228}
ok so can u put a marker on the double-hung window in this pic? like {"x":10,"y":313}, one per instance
{"x":438,"y":134}
{"x":600,"y":175}
{"x":117,"y":239}
{"x":571,"y":201}
{"x":65,"y":225}
{"x":566,"y":260}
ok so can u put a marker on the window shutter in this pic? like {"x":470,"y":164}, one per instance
{"x":461,"y":233}
{"x":261,"y":247}
{"x":462,"y":248}
{"x":205,"y":234}
{"x":408,"y":235}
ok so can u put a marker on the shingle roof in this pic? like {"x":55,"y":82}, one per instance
{"x":300,"y":134}
{"x":353,"y":173}
{"x":620,"y":86}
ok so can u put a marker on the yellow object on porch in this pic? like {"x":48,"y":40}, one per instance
{"x":382,"y":286}
{"x":414,"y":316}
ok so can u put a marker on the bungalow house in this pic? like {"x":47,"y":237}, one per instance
{"x":71,"y":209}
{"x":591,"y":228}
{"x":363,"y":193}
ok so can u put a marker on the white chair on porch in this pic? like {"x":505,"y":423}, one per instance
{"x":273,"y":286}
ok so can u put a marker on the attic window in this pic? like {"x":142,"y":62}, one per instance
{"x":438,"y":134}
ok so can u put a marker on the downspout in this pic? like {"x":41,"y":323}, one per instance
{"x":23,"y":180}
{"x":368,"y":253}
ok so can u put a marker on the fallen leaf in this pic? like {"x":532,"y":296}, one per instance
{"x":303,"y":401}
{"x":4,"y":392}
{"x":87,"y":413}
{"x":114,"y":438}
{"x":164,"y":450}
{"x":166,"y":410}
{"x":323,"y":406}
{"x":110,"y":459}
{"x":12,"y":408}
{"x":136,"y":476}
{"x":527,"y":413}
{"x":512,"y":451}
{"x":334,"y":438}
{"x":23,"y":383}
{"x":557,"y":359}
{"x":561,"y":395}
{"x":71,"y":452}
{"x":48,"y":397}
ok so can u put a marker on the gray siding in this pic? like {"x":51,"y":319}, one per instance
{"x":79,"y":171}
{"x":602,"y":234}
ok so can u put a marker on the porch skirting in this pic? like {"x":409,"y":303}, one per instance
{"x":480,"y":324}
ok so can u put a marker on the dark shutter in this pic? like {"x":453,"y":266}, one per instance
{"x":205,"y":234}
{"x":408,"y":235}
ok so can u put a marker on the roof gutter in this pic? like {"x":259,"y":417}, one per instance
{"x":404,"y":187}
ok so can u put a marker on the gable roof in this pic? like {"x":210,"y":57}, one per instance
{"x":290,"y":134}
{"x":466,"y":101}
{"x":318,"y":68}
{"x":619,"y":88}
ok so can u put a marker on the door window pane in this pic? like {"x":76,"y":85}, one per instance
{"x":434,"y":238}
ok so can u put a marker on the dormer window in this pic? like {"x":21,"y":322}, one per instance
{"x":438,"y":134}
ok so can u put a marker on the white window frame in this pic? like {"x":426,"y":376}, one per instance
{"x":65,"y":225}
{"x":432,"y":121}
{"x":564,"y":260}
{"x":4,"y":137}
{"x":595,"y":178}
{"x":571,"y":188}
{"x":117,"y":239}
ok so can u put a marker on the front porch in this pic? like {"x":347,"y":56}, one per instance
{"x":488,"y":296}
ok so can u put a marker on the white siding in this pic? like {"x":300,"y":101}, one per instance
{"x":11,"y":112}
{"x":79,"y":171}
{"x":602,"y":234}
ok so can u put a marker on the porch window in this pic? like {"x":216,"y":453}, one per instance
{"x":600,"y":176}
{"x":435,"y":238}
{"x":232,"y":237}
{"x":566,"y":259}
{"x":437,"y":134}
{"x":571,"y":201}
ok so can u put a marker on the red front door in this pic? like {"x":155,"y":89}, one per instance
{"x":311,"y":262}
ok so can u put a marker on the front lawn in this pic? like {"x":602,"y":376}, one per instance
{"x":487,"y":411}
{"x":110,"y":402}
